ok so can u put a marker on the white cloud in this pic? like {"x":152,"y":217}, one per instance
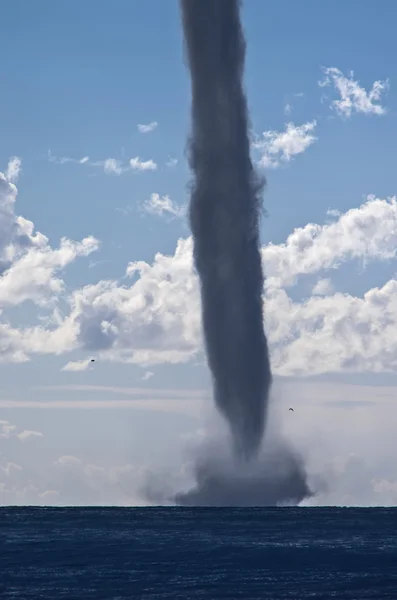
{"x":13,"y":169}
{"x":148,"y":375}
{"x":32,"y":276}
{"x":111,"y":165}
{"x":152,"y":312}
{"x":366,"y":233}
{"x":323,"y":287}
{"x":277,"y":147}
{"x":156,"y":317}
{"x":353,"y":97}
{"x":29,"y":269}
{"x":137,"y":164}
{"x":163,"y":205}
{"x":8,"y":431}
{"x":26,"y":434}
{"x":78,"y":365}
{"x":287,"y":109}
{"x":148,"y":128}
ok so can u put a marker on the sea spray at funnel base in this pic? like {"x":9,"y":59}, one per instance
{"x":224,"y":217}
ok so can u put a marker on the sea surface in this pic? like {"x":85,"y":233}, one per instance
{"x":134,"y":553}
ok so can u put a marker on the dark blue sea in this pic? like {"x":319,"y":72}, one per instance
{"x":117,"y":553}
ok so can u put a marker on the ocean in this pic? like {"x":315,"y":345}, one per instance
{"x":134,"y":553}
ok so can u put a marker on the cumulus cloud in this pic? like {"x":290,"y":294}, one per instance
{"x":323,"y":287}
{"x":77,"y":365}
{"x":151,"y":312}
{"x":157,"y":318}
{"x":13,"y":169}
{"x":142,"y":165}
{"x":111,"y":165}
{"x":153,"y":315}
{"x":32,"y":274}
{"x":278,"y":147}
{"x":366,"y":233}
{"x":148,"y":128}
{"x":29,"y":267}
{"x":353,"y":97}
{"x":16,"y":233}
{"x":163,"y":206}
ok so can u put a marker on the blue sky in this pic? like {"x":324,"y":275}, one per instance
{"x":95,"y":105}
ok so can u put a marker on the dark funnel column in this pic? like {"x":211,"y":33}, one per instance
{"x":224,"y":215}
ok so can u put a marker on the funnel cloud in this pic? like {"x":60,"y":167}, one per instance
{"x":224,"y":217}
{"x":225,"y":207}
